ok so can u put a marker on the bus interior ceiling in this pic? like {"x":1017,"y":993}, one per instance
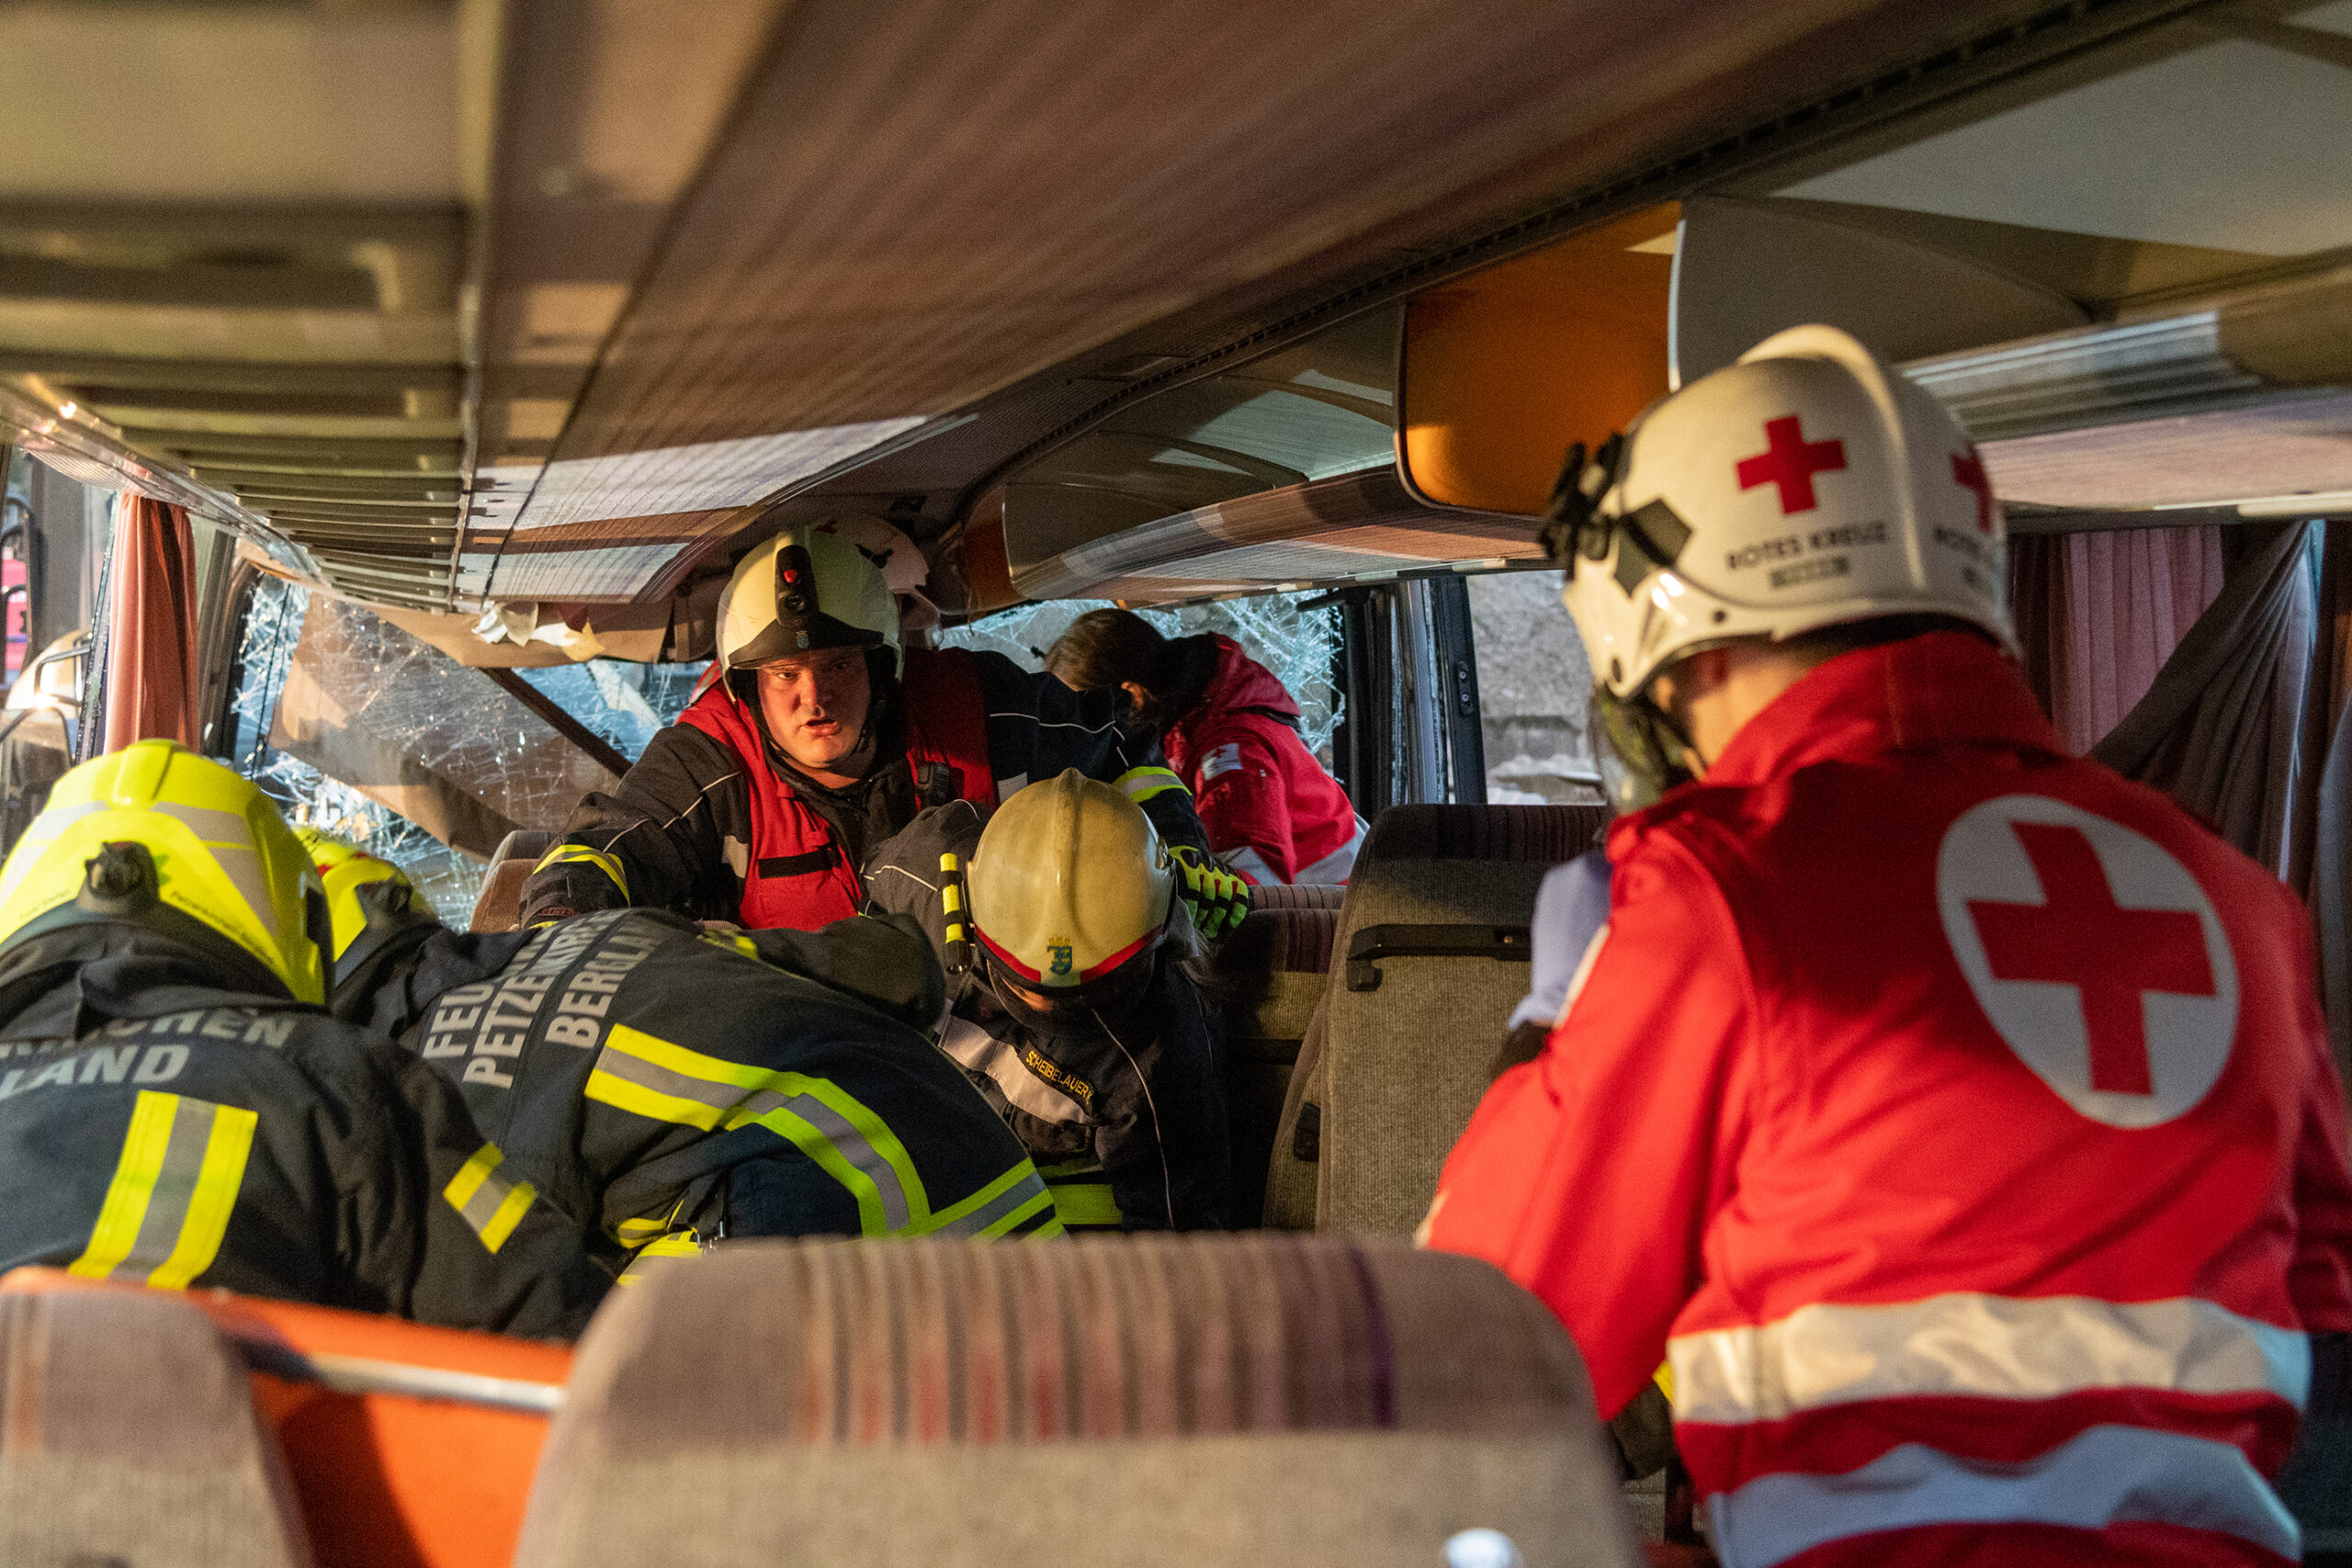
{"x":501,"y":327}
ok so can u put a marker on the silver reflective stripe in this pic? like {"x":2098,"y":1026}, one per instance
{"x":1021,"y":1193}
{"x":2105,"y":1476}
{"x":481,"y":1208}
{"x":854,"y":1148}
{"x":231,"y":839}
{"x":983,"y":1053}
{"x":1992,"y":1347}
{"x":722,"y":1098}
{"x":1337,"y":866}
{"x":1246,"y":862}
{"x":175,"y":1189}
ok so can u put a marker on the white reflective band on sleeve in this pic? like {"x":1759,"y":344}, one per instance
{"x":974,"y":1048}
{"x":1991,"y":1346}
{"x":1246,"y":862}
{"x":1339,"y":865}
{"x":2104,"y":1475}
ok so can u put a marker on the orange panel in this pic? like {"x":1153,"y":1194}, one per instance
{"x":386,"y":1481}
{"x":1503,"y":368}
{"x":987,"y":577}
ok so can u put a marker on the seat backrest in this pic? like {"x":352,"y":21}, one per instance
{"x":1206,"y":1401}
{"x":1297,"y":895}
{"x":1270,"y":977}
{"x":128,"y":1434}
{"x":406,"y":1445}
{"x":499,"y":906}
{"x":1428,"y":962}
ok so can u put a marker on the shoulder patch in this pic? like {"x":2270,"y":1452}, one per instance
{"x":1222,"y":758}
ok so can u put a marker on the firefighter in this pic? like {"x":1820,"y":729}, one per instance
{"x":668,"y":1087}
{"x":817,"y":739}
{"x":1074,"y":1003}
{"x":1231,"y":733}
{"x":174,"y":1108}
{"x":1955,"y":1117}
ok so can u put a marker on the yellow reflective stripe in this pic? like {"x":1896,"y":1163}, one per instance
{"x":568,"y":854}
{"x":1052,"y":1227}
{"x":1140,"y":785}
{"x":856,"y":1152}
{"x":492,"y":1206}
{"x":1000,"y":1192}
{"x":214,"y":1196}
{"x":1043,"y":1202}
{"x":1085,"y":1203}
{"x":175,"y":1186}
{"x":125,"y":1209}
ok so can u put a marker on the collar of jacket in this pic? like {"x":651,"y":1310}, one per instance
{"x":1943,"y":689}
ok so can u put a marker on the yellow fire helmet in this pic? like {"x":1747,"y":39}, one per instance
{"x":809,"y":587}
{"x":157,"y":835}
{"x":1069,"y":882}
{"x":345,"y":868}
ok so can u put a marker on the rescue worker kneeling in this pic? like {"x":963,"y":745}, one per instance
{"x":1073,"y":1008}
{"x":667,"y":1087}
{"x":174,"y":1108}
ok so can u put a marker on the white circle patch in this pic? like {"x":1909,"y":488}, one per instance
{"x":2095,"y":954}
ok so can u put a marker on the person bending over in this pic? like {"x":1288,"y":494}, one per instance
{"x":176,"y":1109}
{"x":667,"y":1087}
{"x":1231,"y":732}
{"x":1074,"y":1007}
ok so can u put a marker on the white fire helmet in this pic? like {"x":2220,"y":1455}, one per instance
{"x":1069,"y":882}
{"x":1807,"y":486}
{"x":810,"y":587}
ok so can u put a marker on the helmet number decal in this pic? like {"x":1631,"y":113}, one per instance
{"x":2096,"y":956}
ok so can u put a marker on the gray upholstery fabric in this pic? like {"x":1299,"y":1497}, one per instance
{"x":1202,"y":1400}
{"x":128,"y":1435}
{"x":1391,"y":1074}
{"x":499,"y":906}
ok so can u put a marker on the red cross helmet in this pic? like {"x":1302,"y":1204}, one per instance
{"x":1806,"y":486}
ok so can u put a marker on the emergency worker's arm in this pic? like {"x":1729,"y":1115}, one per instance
{"x":1245,"y":810}
{"x":657,"y":842}
{"x":439,"y":1232}
{"x":1589,"y":1174}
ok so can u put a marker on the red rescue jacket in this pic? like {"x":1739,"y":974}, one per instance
{"x":797,"y":875}
{"x":1957,"y":1120}
{"x":1270,"y":810}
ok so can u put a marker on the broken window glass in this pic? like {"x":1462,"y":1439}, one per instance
{"x":622,"y":702}
{"x":362,"y":730}
{"x":1299,"y":645}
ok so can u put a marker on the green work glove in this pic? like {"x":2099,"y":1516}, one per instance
{"x":1214,"y":897}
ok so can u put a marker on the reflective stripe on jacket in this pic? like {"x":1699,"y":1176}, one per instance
{"x":1959,"y":1118}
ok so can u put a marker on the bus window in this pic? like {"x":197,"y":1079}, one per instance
{"x":1535,"y":693}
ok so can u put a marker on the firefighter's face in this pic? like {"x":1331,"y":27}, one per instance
{"x":815,"y":705}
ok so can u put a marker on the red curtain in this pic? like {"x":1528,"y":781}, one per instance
{"x":151,"y":636}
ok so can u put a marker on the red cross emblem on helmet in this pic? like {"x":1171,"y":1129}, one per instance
{"x":1790,"y":461}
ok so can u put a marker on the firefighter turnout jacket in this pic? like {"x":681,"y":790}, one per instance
{"x":667,"y":1087}
{"x":1125,"y":1115}
{"x":713,"y":822}
{"x":156,"y":1130}
{"x":1957,"y":1119}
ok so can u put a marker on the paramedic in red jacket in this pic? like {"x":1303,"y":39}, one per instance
{"x":1953,"y":1117}
{"x":817,"y":739}
{"x":1231,"y":732}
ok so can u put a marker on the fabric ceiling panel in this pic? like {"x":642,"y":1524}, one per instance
{"x":920,"y":204}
